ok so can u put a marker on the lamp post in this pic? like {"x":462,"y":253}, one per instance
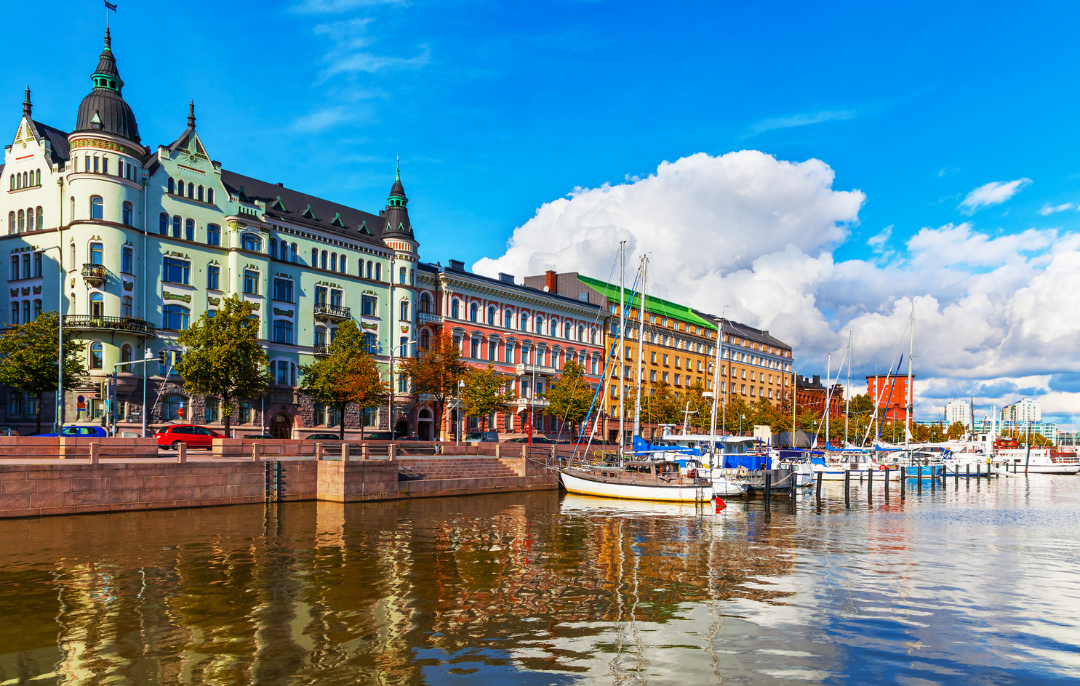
{"x":457,"y":409}
{"x":58,"y":422}
{"x":147,"y":357}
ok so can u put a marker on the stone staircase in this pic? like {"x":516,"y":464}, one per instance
{"x":443,"y":468}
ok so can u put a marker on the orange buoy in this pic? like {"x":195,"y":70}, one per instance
{"x":720,"y":504}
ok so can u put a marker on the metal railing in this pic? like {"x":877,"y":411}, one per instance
{"x":94,"y":271}
{"x":334,"y":312}
{"x":85,"y":321}
{"x":321,"y":350}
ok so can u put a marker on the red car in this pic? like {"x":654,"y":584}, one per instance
{"x":194,"y":436}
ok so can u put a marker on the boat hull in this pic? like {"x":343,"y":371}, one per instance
{"x":583,"y":485}
{"x":723,"y":487}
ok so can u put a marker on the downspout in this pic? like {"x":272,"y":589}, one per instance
{"x":146,"y":342}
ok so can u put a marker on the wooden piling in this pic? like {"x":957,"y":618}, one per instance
{"x":768,"y":487}
{"x":903,"y":482}
{"x":820,"y":478}
{"x":847,"y":487}
{"x":887,"y":483}
{"x":918,"y":479}
{"x":869,"y":484}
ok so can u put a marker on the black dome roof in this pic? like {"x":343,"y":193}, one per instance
{"x":104,"y":109}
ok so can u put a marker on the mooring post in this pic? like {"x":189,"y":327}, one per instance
{"x":956,"y":476}
{"x":346,"y":450}
{"x":886,"y":483}
{"x":820,"y":478}
{"x":968,"y":474}
{"x":869,"y":484}
{"x":933,"y":478}
{"x":903,"y":482}
{"x":498,"y":450}
{"x":393,"y":451}
{"x":181,"y":453}
{"x":847,"y":487}
{"x":94,"y":457}
{"x":768,"y":487}
{"x":978,"y":470}
{"x":363,"y":451}
{"x":918,"y":478}
{"x":318,"y":452}
{"x":256,"y":452}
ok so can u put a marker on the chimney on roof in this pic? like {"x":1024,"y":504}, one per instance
{"x":280,"y":185}
{"x":506,"y":278}
{"x":817,"y":379}
{"x":552,"y":281}
{"x":457,"y":265}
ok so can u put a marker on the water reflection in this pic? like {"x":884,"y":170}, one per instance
{"x":970,"y":582}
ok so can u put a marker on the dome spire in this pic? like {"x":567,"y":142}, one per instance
{"x":26,"y":106}
{"x":191,"y":115}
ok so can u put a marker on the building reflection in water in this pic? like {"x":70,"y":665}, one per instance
{"x":376,"y":592}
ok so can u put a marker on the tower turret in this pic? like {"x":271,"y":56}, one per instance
{"x":104,"y":108}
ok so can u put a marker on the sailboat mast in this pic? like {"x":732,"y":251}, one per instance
{"x":847,"y":391}
{"x":828,"y":398}
{"x":716,"y":386}
{"x":910,"y":390}
{"x":641,"y":345}
{"x":622,"y":343}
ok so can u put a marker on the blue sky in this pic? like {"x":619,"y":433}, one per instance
{"x":499,"y":109}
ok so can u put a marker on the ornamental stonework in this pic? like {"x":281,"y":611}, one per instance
{"x":105,"y":145}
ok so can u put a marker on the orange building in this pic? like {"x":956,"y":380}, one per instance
{"x":890,"y":394}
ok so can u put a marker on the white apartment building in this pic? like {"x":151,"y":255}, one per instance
{"x":958,"y":411}
{"x":1027,"y":410}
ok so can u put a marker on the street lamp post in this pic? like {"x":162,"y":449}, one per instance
{"x":58,"y":422}
{"x":147,"y":357}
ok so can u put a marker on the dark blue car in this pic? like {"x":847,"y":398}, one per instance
{"x":80,"y":432}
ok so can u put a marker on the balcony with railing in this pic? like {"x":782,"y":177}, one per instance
{"x":427,"y":317}
{"x":332,"y":313}
{"x":94,"y":273}
{"x":538,"y":368}
{"x":321,"y":350}
{"x":124,"y":324}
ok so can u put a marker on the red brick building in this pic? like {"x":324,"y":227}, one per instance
{"x":811,"y":394}
{"x":526,"y":333}
{"x":890,"y":394}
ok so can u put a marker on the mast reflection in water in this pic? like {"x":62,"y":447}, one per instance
{"x":969,"y":584}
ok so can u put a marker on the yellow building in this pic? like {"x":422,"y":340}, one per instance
{"x":754,"y":364}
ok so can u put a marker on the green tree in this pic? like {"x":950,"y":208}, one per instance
{"x":570,"y":396}
{"x":28,"y":355}
{"x":659,"y":405}
{"x":486,"y":391}
{"x":956,"y":430}
{"x":699,"y":405}
{"x":435,"y":372}
{"x":347,"y":376}
{"x":734,"y":409}
{"x":222,"y":356}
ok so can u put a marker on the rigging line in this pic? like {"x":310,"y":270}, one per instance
{"x":877,"y":401}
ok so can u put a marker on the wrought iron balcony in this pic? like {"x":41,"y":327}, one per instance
{"x":331,"y":313}
{"x":283,"y":396}
{"x":94,"y":273}
{"x":321,"y":350}
{"x":125,"y":324}
{"x":539,"y":369}
{"x":428,"y":317}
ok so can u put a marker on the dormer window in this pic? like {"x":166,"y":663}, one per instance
{"x":250,"y":241}
{"x":308,"y":214}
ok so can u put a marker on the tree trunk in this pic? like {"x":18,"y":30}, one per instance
{"x":226,"y":415}
{"x":341,"y":427}
{"x":438,"y":425}
{"x":39,"y":414}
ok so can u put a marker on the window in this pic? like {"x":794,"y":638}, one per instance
{"x":176,"y":227}
{"x":492,"y":345}
{"x":96,"y":355}
{"x":320,"y":295}
{"x":524,"y":322}
{"x":97,"y":207}
{"x":163,"y":224}
{"x":97,"y":256}
{"x":474,"y":348}
{"x":372,"y":342}
{"x":172,"y":186}
{"x":213,"y":234}
{"x":283,"y":290}
{"x":282,"y":331}
{"x":14,"y":312}
{"x":14,"y":276}
{"x":199,"y":193}
{"x":508,"y":354}
{"x":15,"y":404}
{"x":250,"y":241}
{"x":378,"y":272}
{"x":26,"y":311}
{"x":251,"y":282}
{"x":126,"y":260}
{"x":175,"y":318}
{"x":508,"y":319}
{"x":539,"y":324}
{"x":191,"y":190}
{"x":491,"y":316}
{"x":273,"y":248}
{"x":335,"y":298}
{"x":368,"y":305}
{"x":474,"y":309}
{"x":677,"y":380}
{"x":72,"y":255}
{"x":314,"y":257}
{"x":11,"y":221}
{"x":210,"y":195}
{"x":129,"y":214}
{"x":368,"y":269}
{"x":425,"y":339}
{"x":404,"y":311}
{"x":455,"y":309}
{"x":213,"y":274}
{"x":125,"y":306}
{"x":401,"y":276}
{"x":211,"y":410}
{"x":125,"y":353}
{"x":665,"y":377}
{"x":322,"y":262}
{"x":344,"y":269}
{"x":176,"y":271}
{"x":189,"y":229}
{"x":37,"y":308}
{"x":320,"y":336}
{"x":245,"y":413}
{"x":40,"y":218}
{"x":333,"y":262}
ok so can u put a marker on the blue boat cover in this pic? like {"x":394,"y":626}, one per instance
{"x":818,"y":461}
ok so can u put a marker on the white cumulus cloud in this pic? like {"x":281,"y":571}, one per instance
{"x":993,"y":193}
{"x":1048,"y":209}
{"x":757,"y":234}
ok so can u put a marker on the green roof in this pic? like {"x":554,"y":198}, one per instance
{"x":664,"y":308}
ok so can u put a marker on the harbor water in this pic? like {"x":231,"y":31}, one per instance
{"x":973,"y":583}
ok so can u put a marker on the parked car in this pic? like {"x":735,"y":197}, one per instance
{"x":8,"y":431}
{"x":482,"y":436}
{"x":378,"y":436}
{"x":79,"y":432}
{"x":322,"y":437}
{"x":536,"y":440}
{"x":194,"y":436}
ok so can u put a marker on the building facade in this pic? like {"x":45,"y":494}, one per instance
{"x":754,"y":365}
{"x":525,"y":333}
{"x":958,"y":411}
{"x":1026,"y":410}
{"x":890,"y":395}
{"x":811,"y":394}
{"x":134,"y":244}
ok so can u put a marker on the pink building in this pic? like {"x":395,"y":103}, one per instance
{"x":526,"y":333}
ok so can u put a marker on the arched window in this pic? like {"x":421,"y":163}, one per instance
{"x":40,"y":219}
{"x":566,"y":330}
{"x":37,"y":308}
{"x":491,"y":316}
{"x":213,"y":234}
{"x":128,"y":214}
{"x":189,"y":229}
{"x":176,"y":226}
{"x":425,"y":339}
{"x":474,"y":310}
{"x":378,"y":272}
{"x":14,"y":312}
{"x":292,"y":256}
{"x":524,"y":322}
{"x":127,"y":256}
{"x":581,"y":333}
{"x":22,"y":221}
{"x":199,"y":193}
{"x":97,"y":354}
{"x":425,"y":303}
{"x":190,"y":190}
{"x":250,"y":241}
{"x":37,"y":182}
{"x":11,"y":220}
{"x":508,"y":319}
{"x":12,"y":177}
{"x":539,"y":324}
{"x":455,"y":309}
{"x":314,"y":257}
{"x":125,"y":352}
{"x":172,"y":186}
{"x":404,"y":311}
{"x":344,"y":269}
{"x":25,"y":181}
{"x":175,"y":318}
{"x":322,"y":263}
{"x":273,"y":246}
{"x":401,"y":276}
{"x":592,"y":337}
{"x":97,"y":207}
{"x":283,"y":329}
{"x":163,"y":224}
{"x":210,"y":195}
{"x":125,"y":307}
{"x":97,"y":305}
{"x":369,"y":269}
{"x":333,"y":261}
{"x":97,"y":253}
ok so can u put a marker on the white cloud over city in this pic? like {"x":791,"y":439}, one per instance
{"x":996,"y":315}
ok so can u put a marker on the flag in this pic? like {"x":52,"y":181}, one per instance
{"x":110,"y":6}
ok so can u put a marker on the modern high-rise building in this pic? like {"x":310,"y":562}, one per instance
{"x":890,"y":395}
{"x":958,"y":411}
{"x":1026,"y":410}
